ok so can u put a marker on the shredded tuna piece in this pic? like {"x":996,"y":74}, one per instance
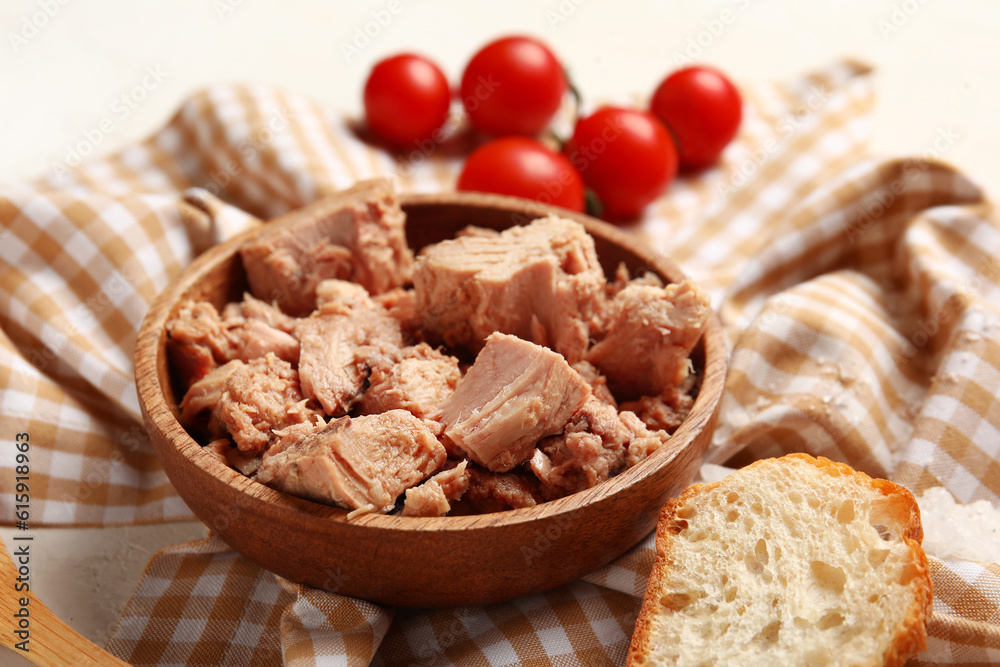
{"x":473,"y":230}
{"x":219,"y":448}
{"x":292,"y":435}
{"x":243,"y":462}
{"x":592,"y":448}
{"x":353,"y":462}
{"x":225,"y":452}
{"x":339,"y":297}
{"x":361,"y":511}
{"x":356,"y":236}
{"x":206,"y":393}
{"x":198,"y":412}
{"x":254,"y":339}
{"x":253,"y":308}
{"x":401,"y":304}
{"x":454,"y":481}
{"x":434,"y":497}
{"x":497,"y":492}
{"x":598,"y":383}
{"x":663,"y":413}
{"x":425,"y":500}
{"x":597,"y":443}
{"x":515,"y":394}
{"x":259,"y":396}
{"x":541,"y":282}
{"x":419,"y":381}
{"x":643,"y":441}
{"x":623,"y":280}
{"x":649,"y":334}
{"x":338,"y":341}
{"x":199,"y":340}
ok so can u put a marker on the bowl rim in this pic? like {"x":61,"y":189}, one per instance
{"x":150,"y":357}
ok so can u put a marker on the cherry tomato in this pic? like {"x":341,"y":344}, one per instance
{"x":627,"y":157}
{"x":703,"y":109}
{"x":514,"y":85}
{"x":406,"y":99}
{"x":523,"y":167}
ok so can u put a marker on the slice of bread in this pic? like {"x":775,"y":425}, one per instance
{"x":790,"y":561}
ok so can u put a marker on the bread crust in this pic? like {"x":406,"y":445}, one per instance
{"x":910,"y":638}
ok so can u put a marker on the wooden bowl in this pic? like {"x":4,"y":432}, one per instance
{"x":423,"y":562}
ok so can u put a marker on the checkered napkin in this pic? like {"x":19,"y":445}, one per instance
{"x":860,"y":297}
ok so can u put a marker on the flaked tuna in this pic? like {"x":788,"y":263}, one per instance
{"x":623,"y":279}
{"x":260,"y":397}
{"x":497,"y":492}
{"x":591,"y":448}
{"x":206,"y":393}
{"x":356,"y":236}
{"x":643,"y":442}
{"x":248,"y":401}
{"x":598,"y":383}
{"x":419,"y":380}
{"x":253,"y":308}
{"x":218,"y":449}
{"x":337,"y":341}
{"x":199,"y":339}
{"x":291,"y":435}
{"x":255,"y":338}
{"x":598,"y":443}
{"x":401,"y":304}
{"x":647,"y":333}
{"x":515,"y":394}
{"x":434,"y":497}
{"x":576,"y":378}
{"x":666,"y":412}
{"x":229,"y":454}
{"x":357,"y":462}
{"x":340,"y":297}
{"x":541,"y":282}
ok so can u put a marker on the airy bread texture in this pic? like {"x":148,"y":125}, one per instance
{"x":790,"y":561}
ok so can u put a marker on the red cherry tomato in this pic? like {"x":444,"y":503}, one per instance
{"x":514,"y":85}
{"x":703,"y":109}
{"x":523,"y":167}
{"x":406,"y":99}
{"x":627,"y":157}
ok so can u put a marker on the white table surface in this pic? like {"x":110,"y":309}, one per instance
{"x":937,"y":64}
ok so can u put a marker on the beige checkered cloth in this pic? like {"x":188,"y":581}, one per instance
{"x":860,"y":296}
